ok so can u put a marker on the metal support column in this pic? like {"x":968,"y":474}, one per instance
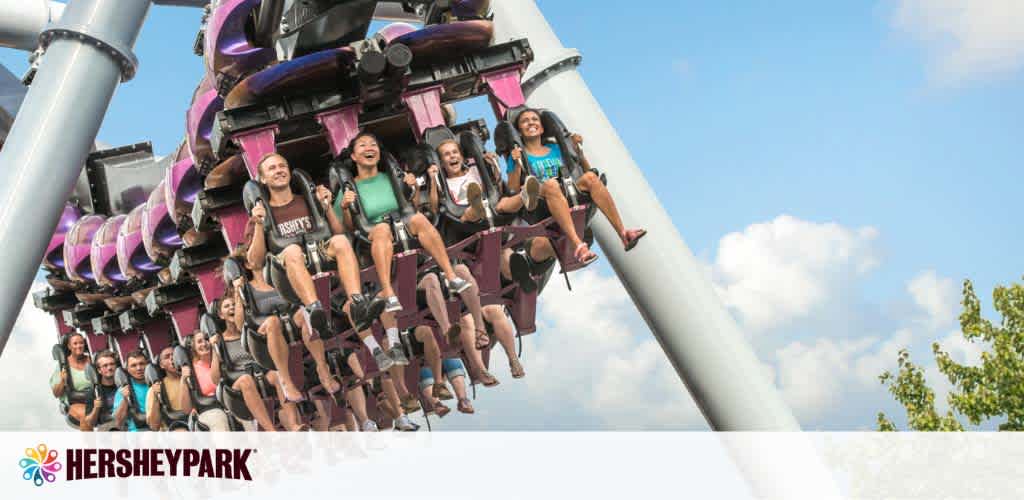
{"x":661,"y":275}
{"x":89,"y":52}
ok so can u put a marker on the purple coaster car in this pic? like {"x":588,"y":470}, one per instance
{"x":103,"y":254}
{"x":132,"y":258}
{"x":182,"y":184}
{"x":54,"y":259}
{"x":78,"y":245}
{"x":159,"y":234}
{"x":229,"y":53}
{"x":199,"y":122}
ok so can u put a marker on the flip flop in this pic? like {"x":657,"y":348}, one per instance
{"x":633,"y":237}
{"x":288,"y":397}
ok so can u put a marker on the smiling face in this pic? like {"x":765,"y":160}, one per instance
{"x":227,"y":309}
{"x":451,"y":158}
{"x":275,"y":172}
{"x":200,"y":344}
{"x":366,"y":151}
{"x":106,"y":365}
{"x":76,"y":344}
{"x":529,"y":125}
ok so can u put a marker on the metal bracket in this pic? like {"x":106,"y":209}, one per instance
{"x":121,"y":54}
{"x":543,"y":70}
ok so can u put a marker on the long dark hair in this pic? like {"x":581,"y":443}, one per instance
{"x":523,"y":112}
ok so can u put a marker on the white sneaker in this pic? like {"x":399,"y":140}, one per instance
{"x":405,"y":425}
{"x":370,"y":426}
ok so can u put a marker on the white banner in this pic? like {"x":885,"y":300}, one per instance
{"x":512,"y":465}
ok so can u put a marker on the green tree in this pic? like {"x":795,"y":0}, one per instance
{"x":992,"y":389}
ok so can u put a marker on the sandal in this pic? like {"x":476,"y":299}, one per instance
{"x":410,"y":404}
{"x":465,"y":406}
{"x":516,"y":368}
{"x":633,"y":237}
{"x":440,"y":409}
{"x":488,"y":380}
{"x":482,"y":340}
{"x":583,"y":254}
{"x":441,"y":391}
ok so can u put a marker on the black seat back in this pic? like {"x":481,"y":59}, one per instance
{"x":255,"y":192}
{"x":507,"y":137}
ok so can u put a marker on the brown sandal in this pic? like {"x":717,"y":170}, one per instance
{"x":441,"y":391}
{"x":516,"y":368}
{"x":440,"y":409}
{"x":482,"y":340}
{"x":465,"y":406}
{"x":488,"y":380}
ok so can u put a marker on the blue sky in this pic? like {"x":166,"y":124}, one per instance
{"x":863,"y":114}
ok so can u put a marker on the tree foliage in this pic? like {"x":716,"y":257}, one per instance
{"x":992,"y":389}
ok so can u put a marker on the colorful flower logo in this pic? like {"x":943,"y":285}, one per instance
{"x":39,"y":465}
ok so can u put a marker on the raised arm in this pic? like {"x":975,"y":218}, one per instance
{"x":153,"y":419}
{"x":121,"y":402}
{"x":59,"y":387}
{"x":577,"y":141}
{"x":515,"y":177}
{"x":258,"y":246}
{"x":435,"y":199}
{"x":185,"y":394}
{"x":215,"y":360}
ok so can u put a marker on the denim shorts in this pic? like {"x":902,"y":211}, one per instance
{"x":452,"y":368}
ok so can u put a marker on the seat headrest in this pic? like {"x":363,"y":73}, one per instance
{"x":231,"y":271}
{"x":210,"y":325}
{"x":434,"y":136}
{"x":152,"y":374}
{"x":419,"y":157}
{"x":180,"y":356}
{"x":59,"y":352}
{"x":91,"y":374}
{"x":120,"y":377}
{"x":252,"y":193}
{"x":506,"y":137}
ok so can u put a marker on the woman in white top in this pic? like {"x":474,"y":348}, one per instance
{"x":464,"y":184}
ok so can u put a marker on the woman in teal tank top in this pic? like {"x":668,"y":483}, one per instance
{"x":544,"y":162}
{"x":378,"y":198}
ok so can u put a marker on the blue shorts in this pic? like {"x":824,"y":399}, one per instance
{"x":452,"y":368}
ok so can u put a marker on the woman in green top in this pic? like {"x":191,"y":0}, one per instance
{"x":76,"y":362}
{"x":378,"y":198}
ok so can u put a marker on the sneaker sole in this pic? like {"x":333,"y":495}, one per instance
{"x":384,"y":366}
{"x":373,"y":311}
{"x":532,"y":192}
{"x":317,"y":320}
{"x":520,"y":270}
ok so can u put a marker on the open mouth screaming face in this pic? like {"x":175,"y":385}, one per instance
{"x":366,"y":152}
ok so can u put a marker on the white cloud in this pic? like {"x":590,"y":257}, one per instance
{"x":595,"y":351}
{"x":970,"y":38}
{"x":25,"y":370}
{"x":937,"y":297}
{"x":777,"y":271}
